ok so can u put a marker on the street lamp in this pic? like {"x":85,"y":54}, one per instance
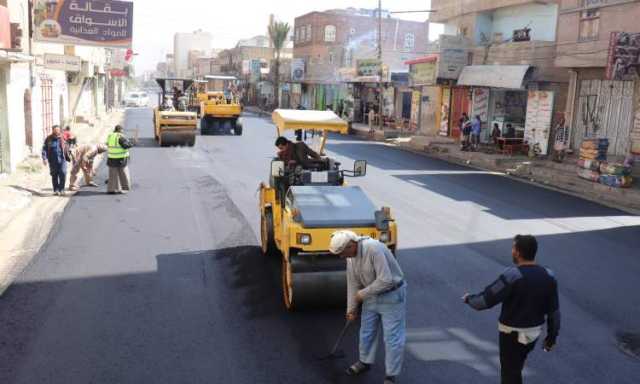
{"x":381,"y":71}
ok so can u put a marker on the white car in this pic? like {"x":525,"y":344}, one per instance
{"x":136,"y":99}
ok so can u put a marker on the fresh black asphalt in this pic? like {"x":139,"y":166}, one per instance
{"x":167,"y":284}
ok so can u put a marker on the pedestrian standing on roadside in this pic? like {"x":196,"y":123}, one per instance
{"x":465,"y":129}
{"x":529,"y":296}
{"x":55,"y":154}
{"x":82,"y":160}
{"x":117,"y":161}
{"x":476,"y":127}
{"x":376,"y":282}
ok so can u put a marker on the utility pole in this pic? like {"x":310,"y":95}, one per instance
{"x":380,"y":71}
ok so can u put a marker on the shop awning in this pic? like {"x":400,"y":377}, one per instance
{"x":498,"y":76}
{"x":14,"y":57}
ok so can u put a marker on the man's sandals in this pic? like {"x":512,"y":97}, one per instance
{"x":357,"y":368}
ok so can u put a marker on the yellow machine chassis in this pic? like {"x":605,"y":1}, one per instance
{"x":181,"y":129}
{"x":286,"y":233}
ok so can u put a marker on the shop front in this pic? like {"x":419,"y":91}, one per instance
{"x":504,"y":98}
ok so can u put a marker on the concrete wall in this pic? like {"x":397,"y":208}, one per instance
{"x":448,"y":9}
{"x":574,"y":53}
{"x":541,"y":18}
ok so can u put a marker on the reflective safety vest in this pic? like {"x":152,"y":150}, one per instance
{"x":115,"y":149}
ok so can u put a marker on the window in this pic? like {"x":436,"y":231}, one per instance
{"x":331,"y":58}
{"x":589,"y":25}
{"x":409,"y":41}
{"x":348,"y":58}
{"x":303,"y":34}
{"x":296,"y":34}
{"x":309,"y":32}
{"x":330,"y":33}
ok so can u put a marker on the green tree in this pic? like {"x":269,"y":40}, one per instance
{"x":278,"y":33}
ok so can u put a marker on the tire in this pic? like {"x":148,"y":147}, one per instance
{"x":204,"y":126}
{"x":267,"y":238}
{"x":287,"y":285}
{"x":192,"y":141}
{"x":237,"y":129}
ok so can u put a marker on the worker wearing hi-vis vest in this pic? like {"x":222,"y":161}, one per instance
{"x":117,"y":161}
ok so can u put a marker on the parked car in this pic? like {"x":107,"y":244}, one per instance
{"x":136,"y":99}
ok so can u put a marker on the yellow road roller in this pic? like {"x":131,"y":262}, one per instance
{"x":301,"y":207}
{"x":174,"y":123}
{"x":220,"y":106}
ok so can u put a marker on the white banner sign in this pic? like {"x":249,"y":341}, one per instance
{"x":538,"y":122}
{"x":62,"y":62}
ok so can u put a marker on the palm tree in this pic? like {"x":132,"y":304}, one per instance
{"x":278,"y":33}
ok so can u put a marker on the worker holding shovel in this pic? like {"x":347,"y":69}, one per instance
{"x":375,"y":281}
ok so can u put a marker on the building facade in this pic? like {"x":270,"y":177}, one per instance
{"x":512,"y":80}
{"x":335,"y":59}
{"x":604,"y":91}
{"x":45,"y":84}
{"x":183,"y":44}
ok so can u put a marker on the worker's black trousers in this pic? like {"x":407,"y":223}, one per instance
{"x":512,"y":357}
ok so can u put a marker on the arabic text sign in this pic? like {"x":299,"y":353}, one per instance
{"x":62,"y":62}
{"x":423,"y":74}
{"x":84,"y":22}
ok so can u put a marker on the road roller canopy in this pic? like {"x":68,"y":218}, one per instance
{"x":332,"y":206}
{"x":292,"y":119}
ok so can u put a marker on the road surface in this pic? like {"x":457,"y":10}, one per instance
{"x":167,"y":284}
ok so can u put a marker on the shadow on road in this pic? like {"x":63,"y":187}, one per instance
{"x":507,"y":198}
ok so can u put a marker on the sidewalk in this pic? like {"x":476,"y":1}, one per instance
{"x":28,"y":207}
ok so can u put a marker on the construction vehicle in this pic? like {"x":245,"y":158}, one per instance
{"x":301,"y":207}
{"x":220,"y":106}
{"x":174,"y":124}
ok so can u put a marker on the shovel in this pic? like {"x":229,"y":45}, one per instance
{"x":335,"y":353}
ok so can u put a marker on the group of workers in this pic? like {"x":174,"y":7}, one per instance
{"x":377,"y":293}
{"x":60,"y":148}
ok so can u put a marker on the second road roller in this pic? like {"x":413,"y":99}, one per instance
{"x":301,"y":207}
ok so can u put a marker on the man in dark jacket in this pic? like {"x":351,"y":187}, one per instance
{"x":55,"y":154}
{"x":296,"y":153}
{"x":529,"y":296}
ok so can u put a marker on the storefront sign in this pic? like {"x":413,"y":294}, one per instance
{"x":62,"y":62}
{"x":453,"y":56}
{"x":85,"y":22}
{"x":368,"y":67}
{"x":624,"y":56}
{"x":297,"y":70}
{"x":538,"y":122}
{"x":423,"y":74}
{"x":347,"y":75}
{"x":481,"y":104}
{"x":444,"y":112}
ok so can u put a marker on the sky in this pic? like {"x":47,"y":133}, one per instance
{"x":156,"y":21}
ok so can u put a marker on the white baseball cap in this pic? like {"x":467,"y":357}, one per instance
{"x":340,"y":240}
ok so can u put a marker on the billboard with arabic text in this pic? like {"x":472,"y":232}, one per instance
{"x":84,"y":22}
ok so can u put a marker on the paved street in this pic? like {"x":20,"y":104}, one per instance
{"x":167,"y":284}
